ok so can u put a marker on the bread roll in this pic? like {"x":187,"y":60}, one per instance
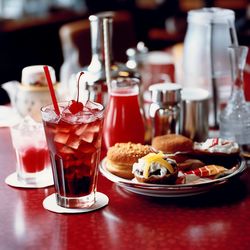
{"x":122,"y":156}
{"x":172,"y":143}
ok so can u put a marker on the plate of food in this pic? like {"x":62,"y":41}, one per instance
{"x":173,"y":166}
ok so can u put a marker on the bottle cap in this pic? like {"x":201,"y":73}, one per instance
{"x":166,"y":93}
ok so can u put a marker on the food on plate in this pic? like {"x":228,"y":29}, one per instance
{"x":122,"y":156}
{"x":173,"y":159}
{"x":190,"y":164}
{"x":217,"y":146}
{"x":208,"y":170}
{"x":172,"y":143}
{"x":155,"y":168}
{"x":203,"y":174}
{"x":176,"y":146}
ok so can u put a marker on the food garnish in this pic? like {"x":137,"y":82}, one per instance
{"x":76,"y":106}
{"x":156,"y":158}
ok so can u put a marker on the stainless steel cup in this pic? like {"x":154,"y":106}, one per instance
{"x":194,"y":113}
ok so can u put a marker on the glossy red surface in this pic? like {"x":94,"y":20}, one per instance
{"x":219,"y":219}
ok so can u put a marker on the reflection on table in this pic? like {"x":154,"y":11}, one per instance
{"x":213,"y":220}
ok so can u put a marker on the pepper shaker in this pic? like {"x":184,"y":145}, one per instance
{"x":164,"y":111}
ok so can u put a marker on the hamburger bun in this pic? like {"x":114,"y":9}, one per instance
{"x":172,"y":143}
{"x":122,"y":156}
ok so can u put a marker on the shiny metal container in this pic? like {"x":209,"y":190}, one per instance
{"x":164,"y":110}
{"x":195,"y":113}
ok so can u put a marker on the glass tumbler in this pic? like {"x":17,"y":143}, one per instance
{"x":74,"y":142}
{"x":29,"y":142}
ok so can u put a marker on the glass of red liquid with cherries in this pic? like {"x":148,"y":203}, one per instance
{"x":29,"y":142}
{"x":74,"y":141}
{"x":124,"y":119}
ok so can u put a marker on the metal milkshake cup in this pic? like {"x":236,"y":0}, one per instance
{"x":194,"y":113}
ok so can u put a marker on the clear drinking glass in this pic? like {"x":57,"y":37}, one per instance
{"x":235,"y":118}
{"x":28,"y":139}
{"x":74,"y":142}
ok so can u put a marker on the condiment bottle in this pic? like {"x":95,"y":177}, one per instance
{"x":164,"y":111}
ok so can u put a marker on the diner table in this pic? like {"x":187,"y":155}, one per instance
{"x":217,"y":219}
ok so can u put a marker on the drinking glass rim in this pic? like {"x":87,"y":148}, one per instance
{"x":64,"y":104}
{"x":53,"y":117}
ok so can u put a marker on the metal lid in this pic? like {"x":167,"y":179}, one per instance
{"x":211,"y":15}
{"x":101,"y":16}
{"x":194,"y":94}
{"x":166,"y":93}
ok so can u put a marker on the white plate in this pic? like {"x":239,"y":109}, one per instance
{"x":178,"y":190}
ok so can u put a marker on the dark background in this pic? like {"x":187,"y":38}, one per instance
{"x":32,"y":40}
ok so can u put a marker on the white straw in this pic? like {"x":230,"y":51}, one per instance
{"x":106,"y":52}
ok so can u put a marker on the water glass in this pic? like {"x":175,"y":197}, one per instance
{"x":29,"y":142}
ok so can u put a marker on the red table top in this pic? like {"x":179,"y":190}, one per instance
{"x":219,"y":219}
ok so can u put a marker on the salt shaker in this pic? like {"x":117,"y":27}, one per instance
{"x":164,"y":111}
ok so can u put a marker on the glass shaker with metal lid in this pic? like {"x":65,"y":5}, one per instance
{"x":164,"y":110}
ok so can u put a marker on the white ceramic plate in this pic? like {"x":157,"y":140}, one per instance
{"x":178,"y":190}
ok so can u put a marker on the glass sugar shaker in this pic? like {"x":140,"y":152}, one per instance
{"x":164,"y":111}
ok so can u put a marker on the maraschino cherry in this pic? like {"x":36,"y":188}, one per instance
{"x":76,"y":106}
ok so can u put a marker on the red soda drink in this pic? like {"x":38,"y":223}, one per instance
{"x":74,"y":142}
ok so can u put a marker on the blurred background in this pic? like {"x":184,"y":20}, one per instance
{"x":29,"y":29}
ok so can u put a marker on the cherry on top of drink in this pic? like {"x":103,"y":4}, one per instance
{"x":76,"y":106}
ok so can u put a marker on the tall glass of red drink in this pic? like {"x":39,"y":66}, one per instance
{"x":124,"y":118}
{"x":74,"y":142}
